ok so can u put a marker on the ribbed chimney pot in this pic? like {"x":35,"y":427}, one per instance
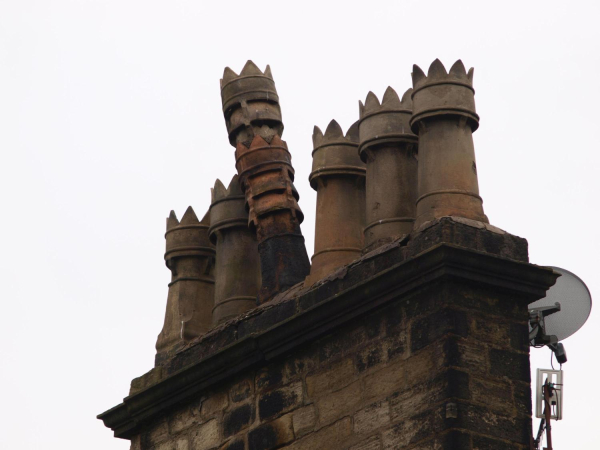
{"x":237,"y":271}
{"x":338,"y":176}
{"x":389,"y":149}
{"x":191,"y":258}
{"x":444,"y":117}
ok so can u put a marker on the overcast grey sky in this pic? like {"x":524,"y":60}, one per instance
{"x":110,"y":117}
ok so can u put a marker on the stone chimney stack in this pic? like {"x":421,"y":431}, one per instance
{"x":237,"y":272}
{"x":338,"y":176}
{"x":253,"y":119}
{"x":389,"y":148}
{"x":444,"y":118}
{"x":190,"y":256}
{"x":421,"y":343}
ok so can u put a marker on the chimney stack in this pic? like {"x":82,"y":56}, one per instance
{"x":190,"y":257}
{"x":444,"y":117}
{"x":389,"y":148}
{"x":253,"y":120}
{"x":237,"y":274}
{"x":338,"y":176}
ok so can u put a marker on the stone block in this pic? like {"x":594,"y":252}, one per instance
{"x":278,"y":401}
{"x":336,"y":376}
{"x":370,"y":357}
{"x":485,"y":443}
{"x":339,"y":403}
{"x":468,"y":355}
{"x":372,"y":443}
{"x":485,"y":421}
{"x":295,"y":367}
{"x":180,"y":443}
{"x":514,"y":366}
{"x":183,"y":419}
{"x":270,"y":376}
{"x":327,"y":438}
{"x":136,"y":443}
{"x":344,"y":342}
{"x":497,"y":396}
{"x":414,"y":428}
{"x":304,"y":420}
{"x":272,"y":434}
{"x":494,"y":331}
{"x":206,"y":436}
{"x":408,"y":402}
{"x":234,"y":444}
{"x":451,"y":440}
{"x":237,"y":419}
{"x":374,"y":323}
{"x":214,"y":404}
{"x":385,"y":381}
{"x":158,"y":432}
{"x":431,"y":328}
{"x":395,"y":346}
{"x":519,"y":337}
{"x":522,"y":398}
{"x":240,"y":391}
{"x":371,"y":418}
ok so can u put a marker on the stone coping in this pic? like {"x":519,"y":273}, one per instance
{"x":474,"y":252}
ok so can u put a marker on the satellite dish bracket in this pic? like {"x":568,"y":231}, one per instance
{"x":538,"y":336}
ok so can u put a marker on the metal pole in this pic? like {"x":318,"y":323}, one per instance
{"x":548,"y":415}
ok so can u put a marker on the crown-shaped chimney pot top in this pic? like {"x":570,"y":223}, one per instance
{"x":250,"y":104}
{"x":172,"y":220}
{"x":227,"y":209}
{"x":251,"y":84}
{"x":250,"y":70}
{"x":335,"y":153}
{"x":335,"y":135}
{"x":437,"y":73}
{"x":389,"y":102}
{"x":443,"y":93}
{"x":219,"y":192}
{"x":385,"y":122}
{"x":187,"y":237}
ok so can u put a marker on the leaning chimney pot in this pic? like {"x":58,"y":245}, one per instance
{"x":253,"y":120}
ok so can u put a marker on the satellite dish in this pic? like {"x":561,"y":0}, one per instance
{"x":564,"y":310}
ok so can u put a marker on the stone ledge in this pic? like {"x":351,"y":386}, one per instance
{"x":301,"y":315}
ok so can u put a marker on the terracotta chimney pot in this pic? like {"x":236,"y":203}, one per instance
{"x":237,"y":271}
{"x":338,"y":176}
{"x":389,"y":149}
{"x":444,"y":117}
{"x":191,"y":257}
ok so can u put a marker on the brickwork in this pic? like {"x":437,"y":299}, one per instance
{"x":383,"y":381}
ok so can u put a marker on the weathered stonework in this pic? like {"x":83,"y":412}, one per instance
{"x":419,"y":341}
{"x":369,"y":358}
